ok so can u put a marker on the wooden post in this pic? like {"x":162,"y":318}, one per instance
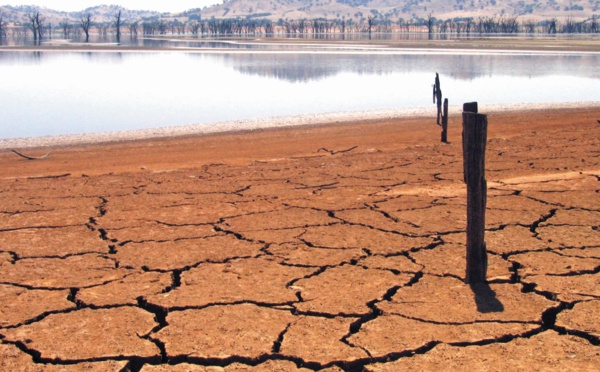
{"x":467,"y":107}
{"x":445,"y":122}
{"x":439,"y":105}
{"x":470,"y":107}
{"x":474,"y":144}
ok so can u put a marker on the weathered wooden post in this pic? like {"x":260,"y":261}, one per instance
{"x":445,"y":122}
{"x":467,"y":107}
{"x":438,"y":97}
{"x":474,"y":144}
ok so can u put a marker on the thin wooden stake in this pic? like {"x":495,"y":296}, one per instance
{"x":474,"y":144}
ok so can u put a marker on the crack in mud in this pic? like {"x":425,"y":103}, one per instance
{"x":541,"y":220}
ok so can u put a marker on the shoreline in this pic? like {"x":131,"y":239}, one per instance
{"x":250,"y":125}
{"x":481,"y":43}
{"x":312,"y":49}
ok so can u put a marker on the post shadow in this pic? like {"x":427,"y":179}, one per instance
{"x":485,"y":298}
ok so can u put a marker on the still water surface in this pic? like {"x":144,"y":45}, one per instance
{"x":54,"y":93}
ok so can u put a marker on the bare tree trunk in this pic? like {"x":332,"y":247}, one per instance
{"x":65,"y":28}
{"x":134,"y":28}
{"x":34,"y":25}
{"x":86,"y":23}
{"x":118,"y":26}
{"x":430,"y":23}
{"x":2,"y":30}
{"x":40,"y":24}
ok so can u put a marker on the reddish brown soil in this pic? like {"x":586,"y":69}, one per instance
{"x":277,"y":250}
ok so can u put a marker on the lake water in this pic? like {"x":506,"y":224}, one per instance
{"x":56,"y":93}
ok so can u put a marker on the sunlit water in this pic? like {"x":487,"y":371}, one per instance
{"x":55,"y":93}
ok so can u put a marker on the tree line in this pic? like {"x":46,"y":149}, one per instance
{"x":85,"y":25}
{"x":512,"y":25}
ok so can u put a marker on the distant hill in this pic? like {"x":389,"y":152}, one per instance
{"x":102,"y":13}
{"x":402,"y":9}
{"x":355,"y":10}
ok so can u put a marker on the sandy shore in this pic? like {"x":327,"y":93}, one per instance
{"x":268,"y":123}
{"x":336,"y":247}
{"x":186,"y":146}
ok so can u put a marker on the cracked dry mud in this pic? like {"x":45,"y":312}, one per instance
{"x":256,"y":252}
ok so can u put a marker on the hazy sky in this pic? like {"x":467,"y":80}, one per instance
{"x":77,"y":5}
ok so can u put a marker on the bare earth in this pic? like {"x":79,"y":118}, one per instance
{"x":337,"y":248}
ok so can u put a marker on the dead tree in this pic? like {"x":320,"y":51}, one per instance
{"x":269,"y":30}
{"x":194,"y":27}
{"x":39,"y":20}
{"x":32,"y":25}
{"x":469,"y":25}
{"x":551,"y":26}
{"x":134,"y":28}
{"x":529,"y":26}
{"x":118,"y":26}
{"x":85,"y":22}
{"x":2,"y":30}
{"x":65,"y":26}
{"x":437,"y":97}
{"x":102,"y":29}
{"x":181,"y":28}
{"x":430,"y":23}
{"x":594,"y":28}
{"x":474,"y":144}
{"x":35,"y":23}
{"x":162,"y":27}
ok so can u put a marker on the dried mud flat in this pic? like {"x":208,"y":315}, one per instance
{"x":337,"y":248}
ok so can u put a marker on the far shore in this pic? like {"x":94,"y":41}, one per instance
{"x":354,"y":43}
